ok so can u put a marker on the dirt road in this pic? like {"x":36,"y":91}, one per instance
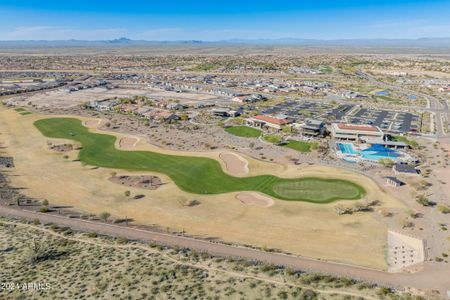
{"x":436,"y":276}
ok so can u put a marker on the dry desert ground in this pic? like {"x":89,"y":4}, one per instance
{"x":310,"y":230}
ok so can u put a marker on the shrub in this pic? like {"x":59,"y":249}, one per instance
{"x":387,"y":162}
{"x":44,"y":209}
{"x":309,"y":295}
{"x":384,"y":291}
{"x":423,"y":200}
{"x":122,"y":240}
{"x":193,"y":202}
{"x":445,"y":209}
{"x":92,"y":234}
{"x":104,"y":216}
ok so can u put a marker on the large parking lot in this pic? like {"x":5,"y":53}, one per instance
{"x":300,"y":110}
{"x":387,"y":120}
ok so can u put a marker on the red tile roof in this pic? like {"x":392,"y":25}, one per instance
{"x":357,"y":127}
{"x":272,"y":120}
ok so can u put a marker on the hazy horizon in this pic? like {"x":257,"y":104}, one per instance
{"x":205,"y":21}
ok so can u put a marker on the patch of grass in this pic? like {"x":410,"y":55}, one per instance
{"x":300,"y":146}
{"x":404,"y":139}
{"x":389,"y":99}
{"x":204,"y":67}
{"x":196,"y":175}
{"x":326,"y":69}
{"x":426,"y":118}
{"x":443,"y":208}
{"x":272,"y":138}
{"x":244,"y":131}
{"x":22,"y":111}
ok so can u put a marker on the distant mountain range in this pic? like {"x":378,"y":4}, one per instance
{"x":420,"y":43}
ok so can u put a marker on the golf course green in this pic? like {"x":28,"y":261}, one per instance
{"x":198,"y":175}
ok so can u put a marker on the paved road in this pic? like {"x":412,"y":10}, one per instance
{"x":435,"y":277}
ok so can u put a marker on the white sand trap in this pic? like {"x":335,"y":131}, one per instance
{"x":234,"y":163}
{"x":253,"y":198}
{"x":128,"y":142}
{"x":92,"y":123}
{"x":404,"y":252}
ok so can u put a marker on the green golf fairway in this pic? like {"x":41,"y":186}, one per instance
{"x":198,"y":175}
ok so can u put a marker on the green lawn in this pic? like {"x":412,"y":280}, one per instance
{"x":404,"y":139}
{"x":326,"y":69}
{"x":389,"y":99}
{"x":196,"y":175}
{"x":244,"y":131}
{"x":299,"y":146}
{"x":22,"y":111}
{"x":272,"y":138}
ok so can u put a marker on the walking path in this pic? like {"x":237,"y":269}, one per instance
{"x":432,"y":277}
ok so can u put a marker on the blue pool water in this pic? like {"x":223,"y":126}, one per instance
{"x":374,"y":153}
{"x":347,"y":149}
{"x":382,"y":93}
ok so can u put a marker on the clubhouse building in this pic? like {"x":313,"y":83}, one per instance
{"x":352,"y":132}
{"x":275,"y":123}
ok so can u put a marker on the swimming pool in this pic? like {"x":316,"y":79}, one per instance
{"x":374,"y":153}
{"x":382,"y":93}
{"x":347,"y":149}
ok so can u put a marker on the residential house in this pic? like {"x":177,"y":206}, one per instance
{"x":224,"y":112}
{"x":128,"y":108}
{"x":247,"y":98}
{"x":161,"y":115}
{"x":176,"y":106}
{"x":102,"y":105}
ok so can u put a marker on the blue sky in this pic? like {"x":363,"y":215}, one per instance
{"x":217,"y":20}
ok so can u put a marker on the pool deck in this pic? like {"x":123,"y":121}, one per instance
{"x":351,"y":153}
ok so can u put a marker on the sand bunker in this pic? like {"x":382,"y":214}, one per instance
{"x":92,"y":123}
{"x":128,"y":142}
{"x":252,"y":198}
{"x":234,"y":163}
